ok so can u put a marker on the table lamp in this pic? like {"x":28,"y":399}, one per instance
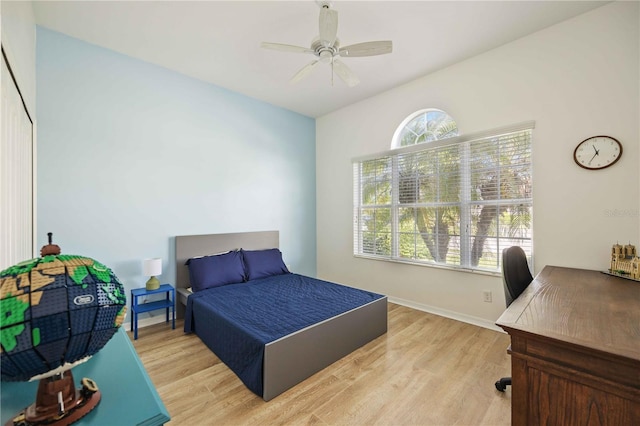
{"x":152,"y":268}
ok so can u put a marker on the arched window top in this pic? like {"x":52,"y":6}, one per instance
{"x":426,"y":125}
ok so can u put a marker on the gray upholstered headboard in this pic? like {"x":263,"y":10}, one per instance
{"x":188,"y":246}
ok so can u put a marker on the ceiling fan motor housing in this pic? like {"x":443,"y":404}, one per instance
{"x":325,"y":53}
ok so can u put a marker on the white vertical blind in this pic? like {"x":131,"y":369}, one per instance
{"x":16,"y":175}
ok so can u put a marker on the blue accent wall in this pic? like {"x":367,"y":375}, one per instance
{"x":130,"y":154}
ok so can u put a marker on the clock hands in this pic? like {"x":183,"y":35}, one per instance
{"x":594,"y":155}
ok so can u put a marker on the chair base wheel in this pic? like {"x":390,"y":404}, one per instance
{"x":502,"y":384}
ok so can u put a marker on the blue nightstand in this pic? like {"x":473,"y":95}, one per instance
{"x":169,"y":303}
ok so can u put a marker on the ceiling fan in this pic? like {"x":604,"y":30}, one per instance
{"x":326,"y":48}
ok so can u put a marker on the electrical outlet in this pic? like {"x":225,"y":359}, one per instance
{"x":486,"y":296}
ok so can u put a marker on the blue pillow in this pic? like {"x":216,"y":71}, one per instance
{"x":213,"y":271}
{"x":263,"y":263}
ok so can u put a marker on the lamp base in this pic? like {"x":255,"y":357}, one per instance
{"x":153,"y":284}
{"x":58,"y":402}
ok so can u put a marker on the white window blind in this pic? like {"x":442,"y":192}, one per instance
{"x":456,"y":202}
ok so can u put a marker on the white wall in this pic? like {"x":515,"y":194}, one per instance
{"x":576,"y":79}
{"x":19,"y":43}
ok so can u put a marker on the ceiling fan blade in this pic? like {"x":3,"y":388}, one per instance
{"x":345,"y":73}
{"x":285,"y":47}
{"x":369,"y":48}
{"x":306,"y":70}
{"x":328,"y":26}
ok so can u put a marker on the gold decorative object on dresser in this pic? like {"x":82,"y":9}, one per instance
{"x":575,"y":349}
{"x":625,"y":261}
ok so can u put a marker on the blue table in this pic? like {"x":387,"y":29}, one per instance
{"x":128,"y":396}
{"x":168,"y":303}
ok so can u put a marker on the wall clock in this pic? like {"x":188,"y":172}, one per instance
{"x":597,"y":152}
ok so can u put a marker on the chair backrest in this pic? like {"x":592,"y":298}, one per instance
{"x":515,"y":272}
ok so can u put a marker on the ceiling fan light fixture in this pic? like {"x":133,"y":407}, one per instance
{"x":325,"y":56}
{"x":326,"y":48}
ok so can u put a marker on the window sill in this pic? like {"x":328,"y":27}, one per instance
{"x":431,"y":265}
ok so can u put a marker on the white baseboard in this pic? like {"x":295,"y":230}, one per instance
{"x":469,"y":319}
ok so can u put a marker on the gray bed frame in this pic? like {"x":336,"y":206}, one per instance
{"x":293,"y":358}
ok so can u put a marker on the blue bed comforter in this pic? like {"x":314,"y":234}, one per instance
{"x":236,"y":321}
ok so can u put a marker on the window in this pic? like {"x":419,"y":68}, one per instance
{"x":424,"y":126}
{"x":456,"y":202}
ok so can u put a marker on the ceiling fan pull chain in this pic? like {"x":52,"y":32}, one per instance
{"x":331,"y":72}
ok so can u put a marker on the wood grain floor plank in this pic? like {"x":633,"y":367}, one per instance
{"x":426,"y":370}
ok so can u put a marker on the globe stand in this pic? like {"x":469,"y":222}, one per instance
{"x":58,"y":402}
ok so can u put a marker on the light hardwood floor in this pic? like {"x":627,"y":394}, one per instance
{"x":427,"y":370}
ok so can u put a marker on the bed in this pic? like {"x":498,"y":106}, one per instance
{"x":268,"y":357}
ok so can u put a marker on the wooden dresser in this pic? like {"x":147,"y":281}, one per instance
{"x":575,"y":349}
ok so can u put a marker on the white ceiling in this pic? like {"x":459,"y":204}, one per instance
{"x":219,"y":41}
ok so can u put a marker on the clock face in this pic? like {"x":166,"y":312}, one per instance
{"x":597,"y":152}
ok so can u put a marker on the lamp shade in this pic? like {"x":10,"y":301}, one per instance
{"x":152,"y":267}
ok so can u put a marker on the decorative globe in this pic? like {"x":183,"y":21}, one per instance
{"x":56,"y":310}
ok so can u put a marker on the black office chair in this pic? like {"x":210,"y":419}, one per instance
{"x":516,"y":277}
